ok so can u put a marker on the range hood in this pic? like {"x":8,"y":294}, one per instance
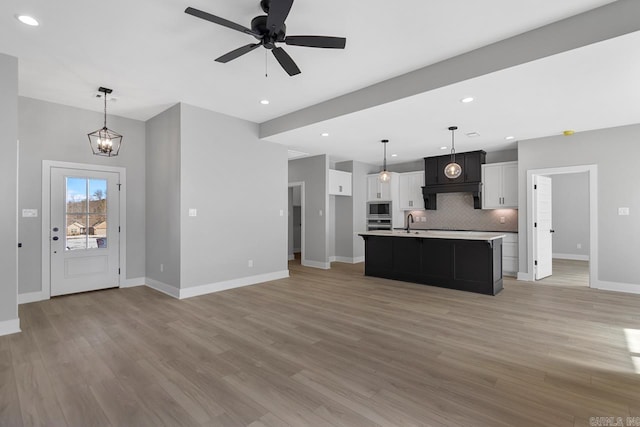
{"x":469,"y":182}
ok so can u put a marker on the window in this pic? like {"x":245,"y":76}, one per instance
{"x":86,"y":213}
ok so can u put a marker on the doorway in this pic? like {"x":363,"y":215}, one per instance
{"x":562,"y":225}
{"x":82,"y":237}
{"x":296,"y":227}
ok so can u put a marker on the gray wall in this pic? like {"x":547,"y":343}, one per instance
{"x":238,"y":184}
{"x":570,"y":217}
{"x":163,"y":197}
{"x":618,"y":245}
{"x":8,"y":177}
{"x":56,"y":132}
{"x":314,"y":172}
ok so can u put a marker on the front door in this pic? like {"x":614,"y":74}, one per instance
{"x":84,"y":230}
{"x":543,"y":228}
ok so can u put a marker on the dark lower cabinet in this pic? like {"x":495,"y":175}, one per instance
{"x":467,"y":265}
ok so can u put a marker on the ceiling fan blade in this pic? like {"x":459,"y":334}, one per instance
{"x":220,"y":21}
{"x":278,"y":12}
{"x":237,"y":53}
{"x":285,"y":61}
{"x":317,"y":41}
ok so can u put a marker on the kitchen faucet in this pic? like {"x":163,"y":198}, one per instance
{"x":409,"y":217}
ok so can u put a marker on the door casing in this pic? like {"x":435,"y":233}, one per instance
{"x":46,"y":216}
{"x":592,"y":171}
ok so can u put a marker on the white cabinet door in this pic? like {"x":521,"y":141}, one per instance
{"x":373,"y":188}
{"x":500,"y":186}
{"x":339,"y":183}
{"x":491,"y":186}
{"x":411,"y":191}
{"x":510,"y":185}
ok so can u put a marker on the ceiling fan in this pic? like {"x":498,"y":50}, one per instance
{"x":270,"y":29}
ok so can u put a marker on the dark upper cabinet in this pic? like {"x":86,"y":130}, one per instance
{"x":469,"y":181}
{"x":431,"y":171}
{"x":471,"y":163}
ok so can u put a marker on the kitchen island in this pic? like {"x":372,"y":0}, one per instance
{"x":464,"y":260}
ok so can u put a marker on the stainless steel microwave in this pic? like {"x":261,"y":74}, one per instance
{"x":379,"y":210}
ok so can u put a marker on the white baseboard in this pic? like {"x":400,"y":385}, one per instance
{"x":291,"y":257}
{"x":615,"y":286}
{"x":528,"y":277}
{"x":573,"y":257}
{"x":8,"y":327}
{"x":332,"y":259}
{"x":231,"y":284}
{"x":347,"y":260}
{"x":163,"y":287}
{"x":28,"y":297}
{"x":316,"y":264}
{"x":132,"y":283}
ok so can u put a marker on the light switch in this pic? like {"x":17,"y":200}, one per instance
{"x":281,"y":212}
{"x":29,"y":213}
{"x":193,"y":212}
{"x":623,"y":211}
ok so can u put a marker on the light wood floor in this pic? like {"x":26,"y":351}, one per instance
{"x":568,"y":272}
{"x":323,"y":348}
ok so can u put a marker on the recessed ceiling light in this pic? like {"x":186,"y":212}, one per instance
{"x":467,"y":100}
{"x":394,"y":155}
{"x":264,"y":102}
{"x":324,"y":134}
{"x":509,"y":138}
{"x":473,"y":134}
{"x":443,"y":148}
{"x":28,"y":20}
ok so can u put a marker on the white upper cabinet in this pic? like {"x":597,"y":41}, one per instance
{"x":500,"y":185}
{"x":411,"y":197}
{"x":339,"y":183}
{"x":377,"y":190}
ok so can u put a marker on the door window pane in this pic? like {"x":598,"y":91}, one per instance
{"x":76,"y":232}
{"x":98,"y":196}
{"x":76,"y":195}
{"x":97,"y":232}
{"x":86,"y":213}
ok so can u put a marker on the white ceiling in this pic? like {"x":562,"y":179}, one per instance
{"x":153,"y":55}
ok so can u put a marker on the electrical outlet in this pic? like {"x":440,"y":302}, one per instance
{"x":161,"y":268}
{"x":579,"y":245}
{"x":502,"y":220}
{"x":281,"y":212}
{"x":623,"y":211}
{"x":193,"y":212}
{"x":320,"y":213}
{"x":250,"y":263}
{"x":423,"y":219}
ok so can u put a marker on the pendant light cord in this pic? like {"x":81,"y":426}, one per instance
{"x":105,"y":110}
{"x":384,"y":162}
{"x":453,"y":144}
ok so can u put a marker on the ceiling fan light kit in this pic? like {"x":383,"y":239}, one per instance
{"x":270,"y":29}
{"x":104,"y":141}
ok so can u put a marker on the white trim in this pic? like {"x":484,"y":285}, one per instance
{"x":592,"y":170}
{"x":29,"y":297}
{"x":292,"y":257}
{"x":8,"y":327}
{"x":163,"y":287}
{"x":528,"y":277}
{"x":573,"y":257}
{"x":616,"y":286}
{"x":46,"y":214}
{"x":302,"y":218}
{"x":231,"y":284}
{"x":132,"y":283}
{"x":316,"y":264}
{"x":332,"y":259}
{"x":347,"y":260}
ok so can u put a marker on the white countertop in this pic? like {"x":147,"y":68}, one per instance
{"x":437,"y":234}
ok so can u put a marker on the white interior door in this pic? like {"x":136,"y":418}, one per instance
{"x":84,"y":230}
{"x":543,"y":229}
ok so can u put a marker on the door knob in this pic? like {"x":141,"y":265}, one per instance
{"x":55,"y":238}
{"x":552,"y":231}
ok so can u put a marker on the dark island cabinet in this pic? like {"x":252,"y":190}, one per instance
{"x":467,"y":265}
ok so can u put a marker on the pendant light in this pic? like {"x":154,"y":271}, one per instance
{"x":105,"y":142}
{"x":453,"y":170}
{"x":384,"y":176}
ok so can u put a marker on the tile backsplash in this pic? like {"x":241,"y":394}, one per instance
{"x":455,"y":211}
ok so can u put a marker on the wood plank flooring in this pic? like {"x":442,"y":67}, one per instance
{"x":567,"y":272}
{"x":324,"y":348}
